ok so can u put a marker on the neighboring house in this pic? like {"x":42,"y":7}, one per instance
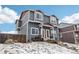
{"x":69,"y":32}
{"x":34,"y":23}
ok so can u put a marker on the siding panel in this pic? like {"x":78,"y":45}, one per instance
{"x":69,"y":28}
{"x":68,"y":37}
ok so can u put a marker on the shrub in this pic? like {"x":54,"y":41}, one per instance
{"x":52,"y":41}
{"x":37,"y":39}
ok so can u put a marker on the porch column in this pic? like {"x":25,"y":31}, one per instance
{"x":41,"y":31}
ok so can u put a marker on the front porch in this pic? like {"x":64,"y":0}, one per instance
{"x":40,"y":32}
{"x":44,"y":32}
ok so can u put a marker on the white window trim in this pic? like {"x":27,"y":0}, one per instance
{"x":39,"y":14}
{"x":53,"y":19}
{"x":48,"y":33}
{"x":34,"y":28}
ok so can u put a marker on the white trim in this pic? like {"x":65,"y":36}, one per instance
{"x":74,"y":37}
{"x":61,"y":36}
{"x":41,"y":31}
{"x":47,"y":34}
{"x":39,"y":14}
{"x":68,"y":31}
{"x":35,"y":21}
{"x":53,"y":20}
{"x":27,"y":32}
{"x":36,"y":29}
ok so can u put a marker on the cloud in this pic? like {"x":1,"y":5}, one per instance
{"x":10,"y":32}
{"x":7,"y":15}
{"x":60,"y":21}
{"x":74,"y":18}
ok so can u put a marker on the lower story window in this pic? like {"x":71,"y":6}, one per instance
{"x":34,"y":31}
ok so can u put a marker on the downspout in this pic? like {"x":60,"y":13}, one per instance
{"x":58,"y":32}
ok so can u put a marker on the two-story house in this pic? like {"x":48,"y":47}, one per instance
{"x":34,"y":23}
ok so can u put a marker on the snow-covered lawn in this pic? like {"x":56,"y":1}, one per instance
{"x":34,"y":48}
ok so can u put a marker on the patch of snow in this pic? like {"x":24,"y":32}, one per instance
{"x":34,"y":48}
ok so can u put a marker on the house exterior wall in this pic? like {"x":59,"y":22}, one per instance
{"x":30,"y":26}
{"x":77,"y":39}
{"x":68,"y":37}
{"x":24,"y":20}
{"x":69,"y":28}
{"x":67,"y":34}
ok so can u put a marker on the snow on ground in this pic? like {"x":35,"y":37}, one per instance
{"x":75,"y":46}
{"x":34,"y":48}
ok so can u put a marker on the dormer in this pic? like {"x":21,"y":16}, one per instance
{"x":53,"y":20}
{"x":46,"y":19}
{"x":38,"y":15}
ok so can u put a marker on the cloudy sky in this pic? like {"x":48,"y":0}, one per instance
{"x":9,"y":13}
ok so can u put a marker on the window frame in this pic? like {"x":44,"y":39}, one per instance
{"x":53,"y":20}
{"x":36,"y":29}
{"x":32,"y":15}
{"x":41,"y":16}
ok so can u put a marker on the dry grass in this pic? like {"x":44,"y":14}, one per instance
{"x":52,"y":41}
{"x":11,"y":41}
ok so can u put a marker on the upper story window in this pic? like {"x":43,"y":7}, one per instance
{"x":38,"y":16}
{"x":31,"y":15}
{"x":46,"y":19}
{"x":53,"y":20}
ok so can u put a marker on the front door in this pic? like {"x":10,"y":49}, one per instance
{"x":46,"y":34}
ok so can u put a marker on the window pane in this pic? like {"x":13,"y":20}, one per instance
{"x":38,"y":16}
{"x":46,"y":19}
{"x":33,"y":31}
{"x":36,"y":31}
{"x":31,"y":15}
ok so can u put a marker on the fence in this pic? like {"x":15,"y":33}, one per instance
{"x":18,"y":37}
